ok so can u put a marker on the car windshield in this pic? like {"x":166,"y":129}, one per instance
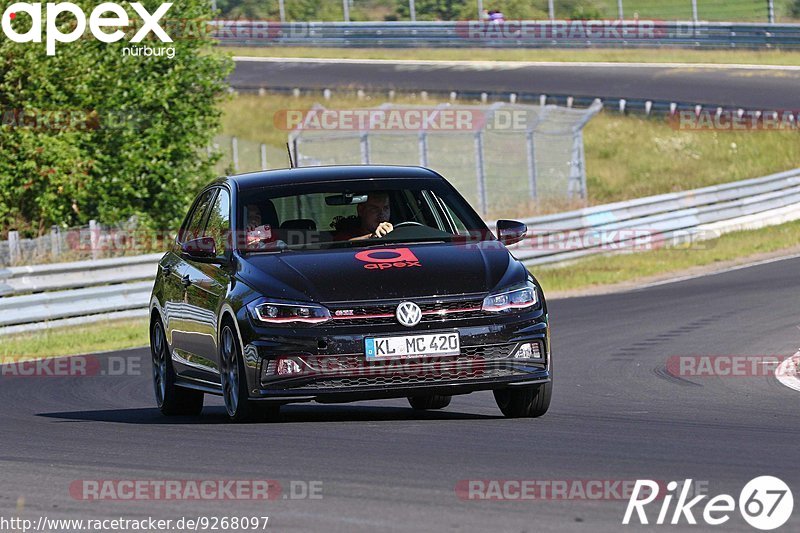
{"x":353,"y":214}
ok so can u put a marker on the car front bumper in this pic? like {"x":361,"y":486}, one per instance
{"x":334,"y":368}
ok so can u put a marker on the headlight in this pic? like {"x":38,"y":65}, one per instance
{"x":288,"y":313}
{"x":519,"y":297}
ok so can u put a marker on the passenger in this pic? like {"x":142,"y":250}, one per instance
{"x":257,"y":234}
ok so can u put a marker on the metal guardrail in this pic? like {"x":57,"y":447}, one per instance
{"x":60,"y":276}
{"x":510,"y":34}
{"x":120,"y":287}
{"x":669,"y":219}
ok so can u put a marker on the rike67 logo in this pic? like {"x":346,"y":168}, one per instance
{"x":106,"y":23}
{"x":765,"y":502}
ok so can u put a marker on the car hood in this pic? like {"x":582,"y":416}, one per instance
{"x":395,"y":271}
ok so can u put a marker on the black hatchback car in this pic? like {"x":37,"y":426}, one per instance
{"x":345,"y":283}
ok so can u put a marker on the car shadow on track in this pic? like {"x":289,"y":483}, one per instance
{"x":289,"y":414}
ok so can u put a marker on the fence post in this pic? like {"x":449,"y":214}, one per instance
{"x":412,"y":9}
{"x":14,"y":251}
{"x":263,"y":157}
{"x":364,"y":148}
{"x":620,"y":11}
{"x":423,"y":149}
{"x":55,"y":242}
{"x":235,"y":152}
{"x":551,"y":9}
{"x":694,"y":11}
{"x":531,"y":162}
{"x":480,"y":165}
{"x":94,"y":238}
{"x":282,"y":10}
{"x":346,"y":9}
{"x":771,"y":11}
{"x":577,"y":169}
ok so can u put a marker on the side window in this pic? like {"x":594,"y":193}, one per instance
{"x":460,"y":227}
{"x":194,"y":225}
{"x":219,"y":223}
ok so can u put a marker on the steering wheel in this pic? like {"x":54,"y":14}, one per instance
{"x":407,"y":223}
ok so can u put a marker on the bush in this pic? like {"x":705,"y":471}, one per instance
{"x":135,"y":140}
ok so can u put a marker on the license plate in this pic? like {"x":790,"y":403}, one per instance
{"x":412,"y":345}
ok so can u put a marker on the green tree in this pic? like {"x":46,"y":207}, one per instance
{"x":133,"y":131}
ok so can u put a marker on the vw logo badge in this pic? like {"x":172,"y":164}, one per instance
{"x":408,"y":314}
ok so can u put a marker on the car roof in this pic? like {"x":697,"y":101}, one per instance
{"x":287,"y":176}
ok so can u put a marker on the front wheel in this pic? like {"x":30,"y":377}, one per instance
{"x":234,"y":383}
{"x":171,"y":399}
{"x":524,"y":402}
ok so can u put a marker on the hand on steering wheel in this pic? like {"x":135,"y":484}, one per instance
{"x":383,"y":229}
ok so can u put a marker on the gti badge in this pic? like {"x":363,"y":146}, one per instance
{"x":408,"y":314}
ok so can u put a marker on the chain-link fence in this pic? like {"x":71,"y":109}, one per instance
{"x":505,"y":159}
{"x":237,"y":155}
{"x":417,"y":10}
{"x":90,"y":242}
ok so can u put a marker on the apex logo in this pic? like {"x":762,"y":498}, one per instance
{"x":397,"y":258}
{"x":107,"y":15}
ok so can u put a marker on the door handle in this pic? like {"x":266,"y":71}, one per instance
{"x":186,"y":281}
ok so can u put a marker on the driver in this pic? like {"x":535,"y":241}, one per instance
{"x":372,"y":220}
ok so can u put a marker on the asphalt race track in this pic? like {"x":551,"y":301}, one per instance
{"x":748,"y":88}
{"x":616,"y":415}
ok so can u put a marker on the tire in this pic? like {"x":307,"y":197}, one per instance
{"x":429,"y":401}
{"x":524,"y":402}
{"x":233,"y":379}
{"x":171,"y":399}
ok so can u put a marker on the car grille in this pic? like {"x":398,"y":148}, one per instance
{"x":410,"y":379}
{"x":384,"y":313}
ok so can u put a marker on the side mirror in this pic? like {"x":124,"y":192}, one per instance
{"x":203,"y":249}
{"x":510,"y":231}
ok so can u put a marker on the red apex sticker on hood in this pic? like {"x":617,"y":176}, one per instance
{"x":384,"y":258}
